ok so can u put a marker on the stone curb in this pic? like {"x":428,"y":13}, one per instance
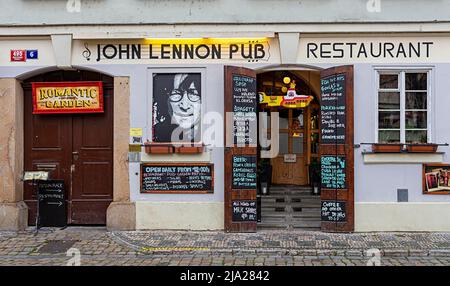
{"x":304,"y":252}
{"x":342,"y":252}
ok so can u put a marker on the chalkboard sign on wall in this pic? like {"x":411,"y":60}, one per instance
{"x":333,"y":171}
{"x":333,"y":211}
{"x":52,"y":204}
{"x":244,"y":110}
{"x":332,"y":110}
{"x":244,"y":172}
{"x":244,"y":211}
{"x":177,"y":178}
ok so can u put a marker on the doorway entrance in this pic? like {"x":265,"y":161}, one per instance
{"x":290,"y":202}
{"x":328,"y":127}
{"x":77,"y":148}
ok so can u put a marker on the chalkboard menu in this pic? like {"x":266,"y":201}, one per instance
{"x":240,"y":184}
{"x":333,"y":211}
{"x":244,"y":211}
{"x":332,"y":109}
{"x":177,"y":178}
{"x":52,"y":205}
{"x":244,"y":172}
{"x":244,"y":110}
{"x":337,"y":149}
{"x":333,"y":171}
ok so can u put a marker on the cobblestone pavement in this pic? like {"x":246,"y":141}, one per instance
{"x":99,"y":247}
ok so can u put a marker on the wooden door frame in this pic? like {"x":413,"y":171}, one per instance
{"x":66,"y":164}
{"x":121,"y":214}
{"x":347,"y":149}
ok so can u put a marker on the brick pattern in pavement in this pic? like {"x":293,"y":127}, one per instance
{"x":99,"y":247}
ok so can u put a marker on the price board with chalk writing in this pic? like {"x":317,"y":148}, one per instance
{"x":240,"y":155}
{"x":244,"y":172}
{"x":177,"y":178}
{"x":244,"y":211}
{"x":52,"y":203}
{"x":336,"y":149}
{"x":333,"y":211}
{"x":244,"y":109}
{"x":333,"y":172}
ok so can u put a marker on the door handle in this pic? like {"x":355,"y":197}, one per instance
{"x":75,"y":155}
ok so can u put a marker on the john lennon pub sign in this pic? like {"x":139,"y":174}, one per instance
{"x":251,"y":50}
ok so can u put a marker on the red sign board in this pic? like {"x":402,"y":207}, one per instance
{"x":18,"y":55}
{"x":67,"y":97}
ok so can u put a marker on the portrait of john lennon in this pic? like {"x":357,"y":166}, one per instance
{"x":176,"y":107}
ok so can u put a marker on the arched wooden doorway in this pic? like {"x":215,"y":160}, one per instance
{"x":298,"y":127}
{"x":77,"y":148}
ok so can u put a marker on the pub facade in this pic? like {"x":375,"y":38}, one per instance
{"x":338,"y":128}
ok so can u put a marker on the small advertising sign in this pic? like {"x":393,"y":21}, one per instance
{"x":67,"y":97}
{"x":18,"y":55}
{"x":436,"y":179}
{"x":290,"y":158}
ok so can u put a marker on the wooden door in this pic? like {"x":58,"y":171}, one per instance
{"x":76,"y":148}
{"x":92,"y":159}
{"x":47,"y":147}
{"x":337,"y":149}
{"x":240,"y":94}
{"x":292,"y":142}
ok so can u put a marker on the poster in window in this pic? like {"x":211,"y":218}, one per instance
{"x":176,"y":106}
{"x":436,"y":178}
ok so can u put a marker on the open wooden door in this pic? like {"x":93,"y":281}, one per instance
{"x":240,"y":149}
{"x":337,"y":149}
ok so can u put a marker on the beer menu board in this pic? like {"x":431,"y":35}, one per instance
{"x":244,"y":110}
{"x":332,"y":109}
{"x":333,"y":211}
{"x":244,"y":172}
{"x":177,"y":178}
{"x":52,"y":203}
{"x":244,"y":211}
{"x":333,"y":172}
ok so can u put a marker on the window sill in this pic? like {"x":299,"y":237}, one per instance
{"x":402,"y":158}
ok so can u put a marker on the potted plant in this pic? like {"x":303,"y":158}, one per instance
{"x":422,"y":148}
{"x":188,"y":148}
{"x":387,"y":147}
{"x":315,"y":175}
{"x":158,"y":148}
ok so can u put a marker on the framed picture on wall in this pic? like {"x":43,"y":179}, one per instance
{"x":176,"y":106}
{"x":436,"y":179}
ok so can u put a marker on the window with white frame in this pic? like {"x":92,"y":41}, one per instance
{"x":403,"y":106}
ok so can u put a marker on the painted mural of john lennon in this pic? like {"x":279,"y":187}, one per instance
{"x":177,"y":107}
